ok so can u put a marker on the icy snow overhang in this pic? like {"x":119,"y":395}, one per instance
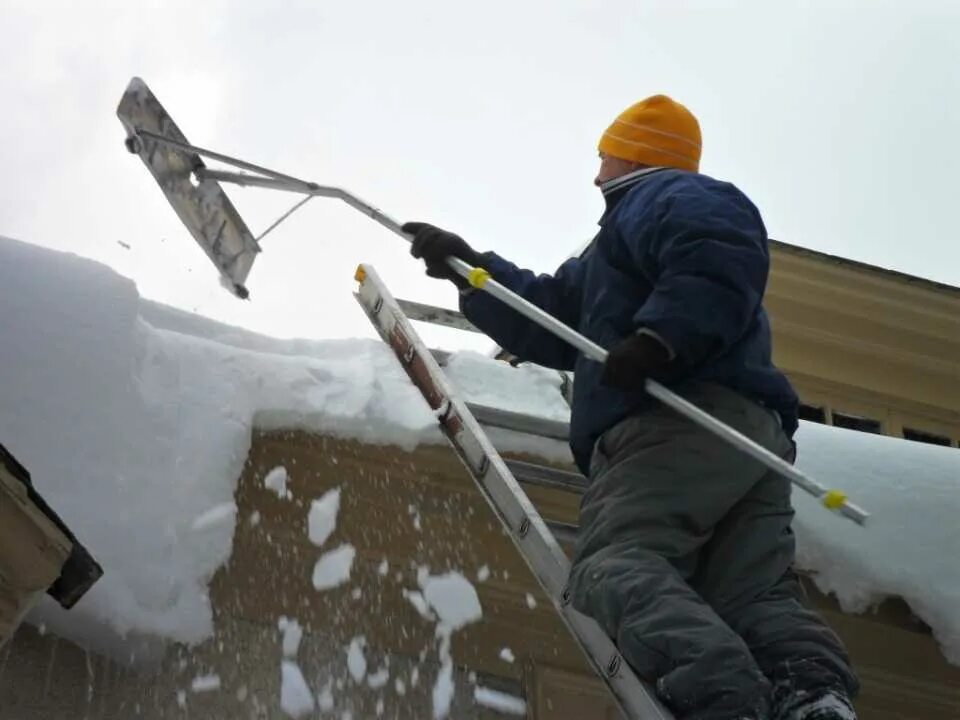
{"x":146,"y":413}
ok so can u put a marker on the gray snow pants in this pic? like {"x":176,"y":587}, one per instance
{"x":684,"y":557}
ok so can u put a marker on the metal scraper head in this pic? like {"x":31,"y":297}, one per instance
{"x":202,"y":205}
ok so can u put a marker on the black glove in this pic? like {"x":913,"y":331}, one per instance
{"x":434,"y":246}
{"x":633,"y":360}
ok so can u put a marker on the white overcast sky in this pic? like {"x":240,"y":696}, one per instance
{"x":839,"y":119}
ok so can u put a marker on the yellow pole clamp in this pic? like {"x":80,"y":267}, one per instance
{"x":833,"y":499}
{"x":360,"y":275}
{"x":478,"y":277}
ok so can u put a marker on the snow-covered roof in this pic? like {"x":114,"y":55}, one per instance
{"x":135,"y":421}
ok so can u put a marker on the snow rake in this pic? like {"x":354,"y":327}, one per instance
{"x":194,"y":191}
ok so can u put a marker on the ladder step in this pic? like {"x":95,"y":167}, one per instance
{"x":562,"y":531}
{"x":436,"y":315}
{"x":546,"y":476}
{"x":520,"y":422}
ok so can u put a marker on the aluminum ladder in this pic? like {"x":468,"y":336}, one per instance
{"x":493,"y":477}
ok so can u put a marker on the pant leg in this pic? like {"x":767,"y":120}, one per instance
{"x":746,"y":575}
{"x":659,"y":486}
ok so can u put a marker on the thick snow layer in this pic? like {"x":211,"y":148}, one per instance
{"x":132,"y":431}
{"x":910,"y":545}
{"x":322,"y":519}
{"x":296,"y":700}
{"x":217,"y":515}
{"x":135,"y":422}
{"x":525,"y":389}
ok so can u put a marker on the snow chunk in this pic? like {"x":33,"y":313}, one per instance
{"x":416,"y":599}
{"x":454,"y":599}
{"x":506,"y":654}
{"x":325,"y":698}
{"x":322,"y":519}
{"x":383,"y":568}
{"x":296,"y":700}
{"x":443,"y":690}
{"x":531,"y":601}
{"x":483,"y":574}
{"x":499,"y":701}
{"x":276,"y":480}
{"x":292,"y":634}
{"x":217,"y":515}
{"x":356,"y":659}
{"x":205,"y":683}
{"x":379,"y":679}
{"x":333,"y":568}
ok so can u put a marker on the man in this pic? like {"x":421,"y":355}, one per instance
{"x":685,"y":551}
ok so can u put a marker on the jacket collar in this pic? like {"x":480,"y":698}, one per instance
{"x":614,"y":190}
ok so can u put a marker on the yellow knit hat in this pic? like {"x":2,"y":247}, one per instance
{"x":656,"y":131}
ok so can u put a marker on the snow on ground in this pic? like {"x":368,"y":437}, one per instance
{"x":135,"y":421}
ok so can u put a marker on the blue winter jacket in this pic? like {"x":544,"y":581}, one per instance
{"x":680,"y":254}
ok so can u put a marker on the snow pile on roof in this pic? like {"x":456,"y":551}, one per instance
{"x":910,"y":545}
{"x":136,"y":434}
{"x":135,"y":421}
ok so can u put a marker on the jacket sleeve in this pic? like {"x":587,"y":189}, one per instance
{"x":710,"y":255}
{"x":558,"y":294}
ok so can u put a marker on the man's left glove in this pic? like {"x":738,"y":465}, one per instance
{"x":434,"y":245}
{"x":633,"y":360}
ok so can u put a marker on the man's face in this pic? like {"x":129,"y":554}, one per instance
{"x":612,"y":167}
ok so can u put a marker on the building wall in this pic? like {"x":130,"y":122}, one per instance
{"x":410,"y":509}
{"x":866,"y":342}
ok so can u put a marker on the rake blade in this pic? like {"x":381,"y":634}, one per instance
{"x":202,"y":206}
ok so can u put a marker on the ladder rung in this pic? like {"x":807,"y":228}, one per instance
{"x":436,"y":315}
{"x":546,"y":476}
{"x":562,"y":531}
{"x":520,"y":422}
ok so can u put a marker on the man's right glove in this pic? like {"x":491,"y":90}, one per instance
{"x":434,"y":245}
{"x":633,"y":360}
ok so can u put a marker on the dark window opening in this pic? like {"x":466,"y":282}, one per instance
{"x":854,"y":422}
{"x":813,"y":413}
{"x":925,"y":437}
